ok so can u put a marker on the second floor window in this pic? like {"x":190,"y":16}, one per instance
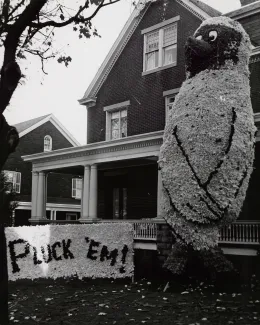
{"x":116,"y":120}
{"x":118,"y":124}
{"x":169,"y":104}
{"x":13,"y":179}
{"x":76,"y":188}
{"x":47,"y":143}
{"x":160,"y":47}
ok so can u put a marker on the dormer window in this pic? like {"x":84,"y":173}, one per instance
{"x":160,"y":46}
{"x":47,"y":143}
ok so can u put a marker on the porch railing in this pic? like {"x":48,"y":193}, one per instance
{"x":240,"y":232}
{"x":145,"y":230}
{"x":243,"y":232}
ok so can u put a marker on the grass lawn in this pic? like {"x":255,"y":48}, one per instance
{"x":92,"y":302}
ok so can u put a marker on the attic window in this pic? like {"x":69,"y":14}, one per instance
{"x":160,"y":46}
{"x":47,"y":143}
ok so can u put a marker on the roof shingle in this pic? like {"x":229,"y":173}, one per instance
{"x":22,"y":126}
{"x":206,"y":8}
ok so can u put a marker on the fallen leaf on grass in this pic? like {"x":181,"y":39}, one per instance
{"x":184,"y":292}
{"x":102,"y":314}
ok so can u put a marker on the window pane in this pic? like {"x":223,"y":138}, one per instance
{"x":124,"y":113}
{"x":152,"y":41}
{"x":170,"y":35}
{"x":115,"y":128}
{"x":171,"y":99}
{"x":9,"y":176}
{"x":152,"y":60}
{"x":123,"y":127}
{"x":169,"y":54}
{"x":115,"y":115}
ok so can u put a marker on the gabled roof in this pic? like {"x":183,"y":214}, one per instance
{"x":209,"y":10}
{"x":27,"y":126}
{"x":196,"y":7}
{"x":245,"y":11}
{"x":22,"y":126}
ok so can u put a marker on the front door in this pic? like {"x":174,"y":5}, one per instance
{"x":119,"y":203}
{"x":115,"y":196}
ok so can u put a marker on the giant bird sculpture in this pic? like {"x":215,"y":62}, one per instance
{"x":208,"y":147}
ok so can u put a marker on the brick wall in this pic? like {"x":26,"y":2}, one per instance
{"x":125,"y":82}
{"x":255,"y":86}
{"x":58,"y":186}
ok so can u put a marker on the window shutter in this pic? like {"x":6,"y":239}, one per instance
{"x":78,"y":188}
{"x":17,"y":182}
{"x":74,"y":180}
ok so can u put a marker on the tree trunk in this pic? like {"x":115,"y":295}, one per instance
{"x":8,"y":141}
{"x":4,"y":319}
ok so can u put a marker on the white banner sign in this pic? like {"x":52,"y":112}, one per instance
{"x":53,"y":251}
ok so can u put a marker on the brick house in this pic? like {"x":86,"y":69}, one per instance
{"x":42,"y":134}
{"x":127,"y":104}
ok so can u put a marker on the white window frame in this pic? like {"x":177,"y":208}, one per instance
{"x":123,"y":106}
{"x":69,"y":214}
{"x":16,"y":185}
{"x":78,"y":192}
{"x":160,"y":27}
{"x":168,"y":95}
{"x":45,"y":148}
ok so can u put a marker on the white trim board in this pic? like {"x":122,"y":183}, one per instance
{"x":122,"y":41}
{"x":244,"y":11}
{"x":23,"y":205}
{"x":51,"y":118}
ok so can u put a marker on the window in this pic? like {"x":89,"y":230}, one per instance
{"x":116,"y":121}
{"x":118,"y":124}
{"x":169,"y":104}
{"x":76,"y":188}
{"x":160,"y":45}
{"x":47,"y":143}
{"x":71,"y":216}
{"x":169,"y":101}
{"x":14,"y":180}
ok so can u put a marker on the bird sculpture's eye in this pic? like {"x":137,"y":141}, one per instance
{"x":213,"y":35}
{"x":199,"y":37}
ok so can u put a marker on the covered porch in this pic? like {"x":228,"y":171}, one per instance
{"x":120,"y":179}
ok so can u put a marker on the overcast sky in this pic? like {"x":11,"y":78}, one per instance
{"x":59,"y":91}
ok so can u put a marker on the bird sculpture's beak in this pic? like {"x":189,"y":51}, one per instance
{"x":199,"y":47}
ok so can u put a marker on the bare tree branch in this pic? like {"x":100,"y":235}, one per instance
{"x":76,"y":18}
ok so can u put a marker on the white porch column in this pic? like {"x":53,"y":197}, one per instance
{"x":35,"y":179}
{"x":85,"y":194}
{"x":41,"y":194}
{"x":159,"y":194}
{"x":93,"y":195}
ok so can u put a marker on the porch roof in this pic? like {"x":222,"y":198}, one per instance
{"x":132,"y":147}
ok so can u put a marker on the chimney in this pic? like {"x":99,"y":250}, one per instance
{"x":246,"y":2}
